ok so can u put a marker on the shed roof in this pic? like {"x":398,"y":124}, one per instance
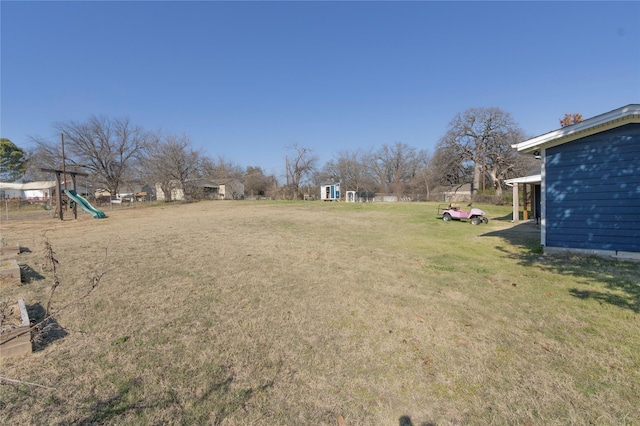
{"x":599,"y":123}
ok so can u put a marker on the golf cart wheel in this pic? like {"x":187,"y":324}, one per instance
{"x":446,"y":217}
{"x":485,"y":220}
{"x":476,"y":220}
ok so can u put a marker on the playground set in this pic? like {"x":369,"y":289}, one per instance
{"x":73,"y":197}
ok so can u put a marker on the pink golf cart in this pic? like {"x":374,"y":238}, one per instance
{"x":450,"y":212}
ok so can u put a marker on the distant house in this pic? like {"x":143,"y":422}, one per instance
{"x":230,"y":189}
{"x":177,"y":194}
{"x":590,"y":184}
{"x":31,"y":191}
{"x":128,"y":193}
{"x":12,"y":190}
{"x":226,"y":189}
{"x":457,"y":193}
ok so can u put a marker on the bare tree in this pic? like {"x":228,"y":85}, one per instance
{"x":46,"y":154}
{"x":256,"y":183}
{"x":482,"y":138}
{"x":396,"y":166}
{"x":350,"y":168}
{"x":448,"y":164}
{"x":105,"y":147}
{"x":220,"y":169}
{"x":299,"y":166}
{"x":172,"y":164}
{"x":503,"y":162}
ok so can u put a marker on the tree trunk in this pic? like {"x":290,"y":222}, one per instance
{"x":166,"y":189}
{"x":477,"y":178}
{"x":495,"y":181}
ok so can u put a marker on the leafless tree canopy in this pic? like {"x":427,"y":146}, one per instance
{"x":171,"y":163}
{"x":475,"y":149}
{"x":299,"y":166}
{"x":396,"y":167}
{"x":351,"y":169}
{"x":447,"y":165}
{"x":257,"y":184}
{"x":480,"y":140}
{"x":104,"y":147}
{"x":220,"y":169}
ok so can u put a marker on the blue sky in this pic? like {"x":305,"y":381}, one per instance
{"x":245,"y":80}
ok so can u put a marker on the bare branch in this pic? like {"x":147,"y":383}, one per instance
{"x":20,"y":382}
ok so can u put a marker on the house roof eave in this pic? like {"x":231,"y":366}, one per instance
{"x":600,"y":123}
{"x":524,"y":179}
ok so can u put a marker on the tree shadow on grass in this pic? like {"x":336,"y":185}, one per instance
{"x":602,"y":279}
{"x":613,"y":299}
{"x":108,"y":409}
{"x":217,"y":401}
{"x":525,"y":235}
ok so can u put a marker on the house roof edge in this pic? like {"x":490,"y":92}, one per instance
{"x":609,"y":120}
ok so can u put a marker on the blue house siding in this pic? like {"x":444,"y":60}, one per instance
{"x":592,"y":191}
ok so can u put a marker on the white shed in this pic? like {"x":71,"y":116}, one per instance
{"x":330,"y":192}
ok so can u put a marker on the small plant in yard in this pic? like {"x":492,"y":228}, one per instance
{"x":46,"y":328}
{"x":50,"y":261}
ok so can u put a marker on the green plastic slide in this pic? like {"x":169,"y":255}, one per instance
{"x":84,"y":204}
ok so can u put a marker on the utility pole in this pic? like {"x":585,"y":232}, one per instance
{"x":64,"y":167}
{"x":286,"y":167}
{"x":286,"y":171}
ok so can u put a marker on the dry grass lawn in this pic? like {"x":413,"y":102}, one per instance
{"x":276,"y":313}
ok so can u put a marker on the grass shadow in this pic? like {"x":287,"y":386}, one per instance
{"x":606,"y":297}
{"x":605,"y":280}
{"x":212,"y":406}
{"x":524,"y":234}
{"x":47,"y":331}
{"x":505,"y":218}
{"x":111,"y":408}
